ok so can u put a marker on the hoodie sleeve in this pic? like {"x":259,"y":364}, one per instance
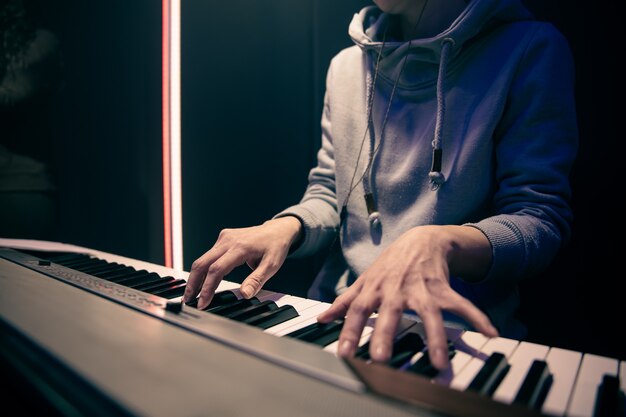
{"x":317,"y":210}
{"x":536,"y":145}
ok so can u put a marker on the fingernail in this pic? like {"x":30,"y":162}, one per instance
{"x":247,"y":291}
{"x":379,"y":353}
{"x":344,"y":348}
{"x":202,"y":303}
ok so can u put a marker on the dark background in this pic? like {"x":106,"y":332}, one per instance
{"x":252,"y":83}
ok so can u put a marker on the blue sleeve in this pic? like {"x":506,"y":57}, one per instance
{"x":536,"y":145}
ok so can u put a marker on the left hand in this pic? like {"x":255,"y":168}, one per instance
{"x":413,"y":273}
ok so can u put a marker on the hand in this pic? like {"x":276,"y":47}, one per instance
{"x":413,"y":273}
{"x":264,"y":248}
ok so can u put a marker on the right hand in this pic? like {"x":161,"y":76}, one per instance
{"x":264,"y":248}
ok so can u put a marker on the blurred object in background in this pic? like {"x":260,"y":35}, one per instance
{"x":30,"y":69}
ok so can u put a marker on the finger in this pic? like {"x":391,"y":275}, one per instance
{"x":198,"y":272}
{"x":356,"y":318}
{"x":462,"y":307}
{"x":206,"y":294}
{"x":216,"y":272}
{"x":266,"y":269}
{"x":381,"y":342}
{"x":436,"y":338}
{"x":339,"y":307}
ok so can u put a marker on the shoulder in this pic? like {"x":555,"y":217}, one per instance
{"x":347,"y":56}
{"x":525,"y":43}
{"x":536,"y":34}
{"x":545,"y":43}
{"x":347,"y":60}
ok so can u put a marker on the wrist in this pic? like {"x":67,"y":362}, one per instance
{"x":470,"y":253}
{"x":292,"y":226}
{"x":466,"y":249}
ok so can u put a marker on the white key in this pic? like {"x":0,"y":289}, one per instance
{"x":563,"y":365}
{"x":520,"y":362}
{"x":452,"y":333}
{"x":223,"y":286}
{"x":229,"y":285}
{"x":467,"y":374}
{"x":365,"y":336}
{"x":307,"y":317}
{"x":403,"y":326}
{"x":302,"y":305}
{"x":592,"y":369}
{"x":467,"y":346}
{"x":298,"y":303}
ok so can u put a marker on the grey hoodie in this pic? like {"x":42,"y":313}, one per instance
{"x":481,"y":131}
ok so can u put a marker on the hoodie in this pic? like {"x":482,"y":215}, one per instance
{"x":474,"y":126}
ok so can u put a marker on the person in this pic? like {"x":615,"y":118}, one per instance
{"x":448,"y":135}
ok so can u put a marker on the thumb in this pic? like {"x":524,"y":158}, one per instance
{"x":255,"y":281}
{"x":251,"y":285}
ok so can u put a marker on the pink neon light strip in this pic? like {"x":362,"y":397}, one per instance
{"x":167,"y":173}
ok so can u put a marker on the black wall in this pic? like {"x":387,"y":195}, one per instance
{"x":253,"y":77}
{"x":106,"y":126}
{"x":252,"y":91}
{"x":579,"y":302}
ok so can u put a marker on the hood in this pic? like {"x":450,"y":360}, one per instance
{"x":423,"y":61}
{"x":367,"y":29}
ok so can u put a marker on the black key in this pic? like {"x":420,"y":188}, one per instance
{"x":96,"y":269}
{"x":609,"y":400}
{"x":173,"y":291}
{"x":89,"y":267}
{"x":124,"y":275}
{"x":93,"y":263}
{"x":232,"y":307}
{"x":273,"y":318}
{"x":297,"y":334}
{"x":403,"y":349}
{"x":86,"y":265}
{"x":321,"y":334}
{"x":155,"y":285}
{"x":194,"y":302}
{"x":490,"y":375}
{"x":535,"y":386}
{"x":137,"y":278}
{"x":328,"y":335}
{"x":167,"y":282}
{"x":124,"y":272}
{"x":78,"y":263}
{"x":63,"y":257}
{"x":106,"y":273}
{"x":424,"y":367}
{"x":252,"y":310}
{"x":219,"y":299}
{"x":222,"y":298}
{"x":363,"y":351}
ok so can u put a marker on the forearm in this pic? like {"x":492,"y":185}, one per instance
{"x":317,"y":210}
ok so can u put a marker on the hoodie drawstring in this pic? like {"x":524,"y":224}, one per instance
{"x":436,"y":177}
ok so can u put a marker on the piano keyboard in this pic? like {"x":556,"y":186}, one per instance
{"x":527,"y":378}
